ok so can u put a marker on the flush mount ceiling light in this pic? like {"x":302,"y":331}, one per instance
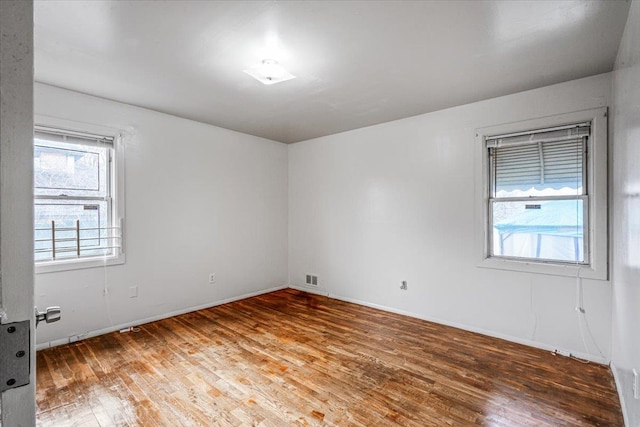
{"x":270,"y":72}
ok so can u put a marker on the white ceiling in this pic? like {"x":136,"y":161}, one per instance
{"x":357,"y":63}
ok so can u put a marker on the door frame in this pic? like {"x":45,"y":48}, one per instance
{"x":16,"y":193}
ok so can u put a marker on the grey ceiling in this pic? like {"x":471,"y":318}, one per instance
{"x":357,"y":63}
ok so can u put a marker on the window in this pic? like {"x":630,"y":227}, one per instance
{"x":544,"y":198}
{"x":75,"y":212}
{"x":538,"y":195}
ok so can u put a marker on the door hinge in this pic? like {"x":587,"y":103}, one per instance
{"x":15,"y":354}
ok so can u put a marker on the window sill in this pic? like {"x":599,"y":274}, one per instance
{"x":547,"y":268}
{"x":76,"y":264}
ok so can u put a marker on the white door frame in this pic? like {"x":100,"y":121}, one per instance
{"x":16,"y":192}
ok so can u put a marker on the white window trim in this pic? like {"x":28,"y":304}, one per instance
{"x":117,"y":182}
{"x":596,"y":177}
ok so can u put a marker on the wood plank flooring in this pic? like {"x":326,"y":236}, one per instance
{"x":291,"y":358}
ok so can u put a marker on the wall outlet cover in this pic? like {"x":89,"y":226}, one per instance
{"x":76,"y":338}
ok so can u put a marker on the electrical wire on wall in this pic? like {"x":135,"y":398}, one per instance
{"x":582,"y":315}
{"x":105,"y":291}
{"x":579,"y":305}
{"x":533,"y":310}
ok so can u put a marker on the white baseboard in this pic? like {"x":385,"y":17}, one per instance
{"x":530,"y":343}
{"x":619,"y":389}
{"x":113,"y":328}
{"x":311,"y":289}
{"x":323,"y":292}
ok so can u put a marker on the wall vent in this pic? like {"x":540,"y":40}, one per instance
{"x":311,"y":280}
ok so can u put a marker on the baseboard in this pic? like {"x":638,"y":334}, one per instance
{"x":619,"y":389}
{"x":91,"y":334}
{"x":323,"y":292}
{"x":535,"y":344}
{"x":311,"y":289}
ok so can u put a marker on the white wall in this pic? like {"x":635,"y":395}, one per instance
{"x":626,"y":214}
{"x":199,"y":199}
{"x":375,"y":206}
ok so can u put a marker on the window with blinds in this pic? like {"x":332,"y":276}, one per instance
{"x":538,"y":197}
{"x":73,"y":196}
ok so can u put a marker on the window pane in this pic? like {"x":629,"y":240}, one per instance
{"x":547,"y":230}
{"x":94,"y":234}
{"x":70,"y":169}
{"x":539,"y":169}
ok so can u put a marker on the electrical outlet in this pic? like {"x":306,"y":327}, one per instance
{"x":76,"y":338}
{"x":133,"y":292}
{"x":636,"y":385}
{"x":212,"y":278}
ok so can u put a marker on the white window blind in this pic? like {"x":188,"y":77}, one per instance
{"x":547,"y":158}
{"x":70,"y":137}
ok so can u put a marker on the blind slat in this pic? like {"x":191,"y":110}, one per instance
{"x":539,"y":159}
{"x":554,"y":135}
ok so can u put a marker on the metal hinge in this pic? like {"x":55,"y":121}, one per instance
{"x":15,"y":350}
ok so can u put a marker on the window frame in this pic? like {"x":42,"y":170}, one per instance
{"x":595,"y":218}
{"x":584,"y":197}
{"x":115,"y":184}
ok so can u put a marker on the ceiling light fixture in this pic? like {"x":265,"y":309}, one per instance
{"x":270,"y":72}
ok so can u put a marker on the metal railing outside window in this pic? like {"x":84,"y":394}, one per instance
{"x":77,"y":242}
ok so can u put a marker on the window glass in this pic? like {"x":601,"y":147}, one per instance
{"x":69,"y":169}
{"x":541,"y":229}
{"x":64,"y":218}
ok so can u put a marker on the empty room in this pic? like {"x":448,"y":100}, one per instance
{"x":320,"y":213}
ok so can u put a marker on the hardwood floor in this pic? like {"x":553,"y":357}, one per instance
{"x":291,"y":358}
